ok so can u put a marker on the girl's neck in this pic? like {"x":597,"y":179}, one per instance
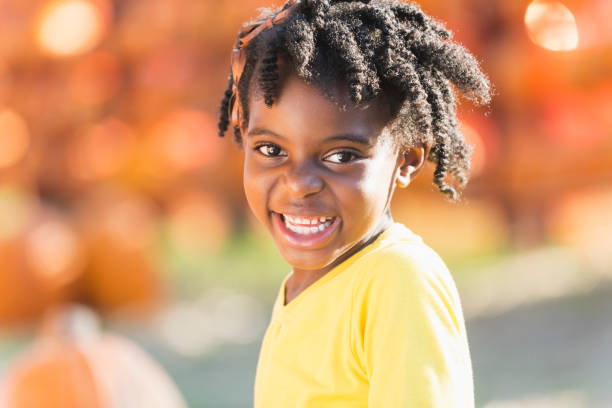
{"x":300,"y":279}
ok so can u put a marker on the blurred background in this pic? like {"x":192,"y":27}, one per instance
{"x":117,"y":195}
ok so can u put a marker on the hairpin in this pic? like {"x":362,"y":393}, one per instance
{"x":247,"y":34}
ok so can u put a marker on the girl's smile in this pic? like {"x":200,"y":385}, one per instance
{"x":320,"y":178}
{"x":305,"y":232}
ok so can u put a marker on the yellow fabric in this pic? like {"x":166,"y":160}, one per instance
{"x":382,"y":329}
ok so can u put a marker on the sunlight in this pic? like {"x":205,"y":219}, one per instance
{"x":551,"y":25}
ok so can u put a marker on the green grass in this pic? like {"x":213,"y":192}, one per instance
{"x":249,"y":262}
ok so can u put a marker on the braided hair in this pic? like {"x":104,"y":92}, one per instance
{"x":380,"y":47}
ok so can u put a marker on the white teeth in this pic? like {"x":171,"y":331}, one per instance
{"x":306,"y":226}
{"x":305,"y":221}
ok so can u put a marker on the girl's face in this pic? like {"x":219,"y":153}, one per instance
{"x":319,"y":178}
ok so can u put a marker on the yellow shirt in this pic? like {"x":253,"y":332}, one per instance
{"x":382,"y":329}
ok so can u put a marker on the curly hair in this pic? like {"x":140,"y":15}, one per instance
{"x":380,"y":47}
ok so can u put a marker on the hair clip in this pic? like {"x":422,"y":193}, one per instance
{"x":247,"y":34}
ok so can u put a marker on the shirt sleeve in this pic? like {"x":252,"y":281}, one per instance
{"x":411,"y":335}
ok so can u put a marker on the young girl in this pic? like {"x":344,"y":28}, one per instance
{"x":335,"y":104}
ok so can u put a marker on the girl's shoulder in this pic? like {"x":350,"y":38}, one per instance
{"x":399,"y":251}
{"x":403,"y":266}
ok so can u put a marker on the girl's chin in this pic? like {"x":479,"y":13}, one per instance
{"x":323,"y":259}
{"x":307,"y":262}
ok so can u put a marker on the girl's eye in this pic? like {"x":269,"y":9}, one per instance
{"x":270,"y":150}
{"x":341,"y":157}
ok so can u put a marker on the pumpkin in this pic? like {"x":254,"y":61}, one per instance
{"x":41,"y":259}
{"x":73,"y":364}
{"x":122,"y":274}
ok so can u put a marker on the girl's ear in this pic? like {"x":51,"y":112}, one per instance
{"x":411,"y":162}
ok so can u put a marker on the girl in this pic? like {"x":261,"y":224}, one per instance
{"x":336,"y":104}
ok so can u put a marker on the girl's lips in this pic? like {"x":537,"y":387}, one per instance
{"x":304,"y":241}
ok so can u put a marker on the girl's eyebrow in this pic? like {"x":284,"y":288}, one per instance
{"x":263,"y":131}
{"x":350,"y":137}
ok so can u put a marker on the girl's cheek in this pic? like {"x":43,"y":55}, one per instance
{"x":251,"y":189}
{"x":256,"y":187}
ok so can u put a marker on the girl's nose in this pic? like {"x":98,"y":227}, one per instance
{"x":302,"y":180}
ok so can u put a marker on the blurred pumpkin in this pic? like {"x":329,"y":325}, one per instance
{"x":41,"y":259}
{"x":73,"y":364}
{"x":198,"y":222}
{"x":120,"y":230}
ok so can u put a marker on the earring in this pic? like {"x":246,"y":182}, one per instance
{"x":401,"y":184}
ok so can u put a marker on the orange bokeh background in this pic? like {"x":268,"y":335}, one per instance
{"x":116,"y":193}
